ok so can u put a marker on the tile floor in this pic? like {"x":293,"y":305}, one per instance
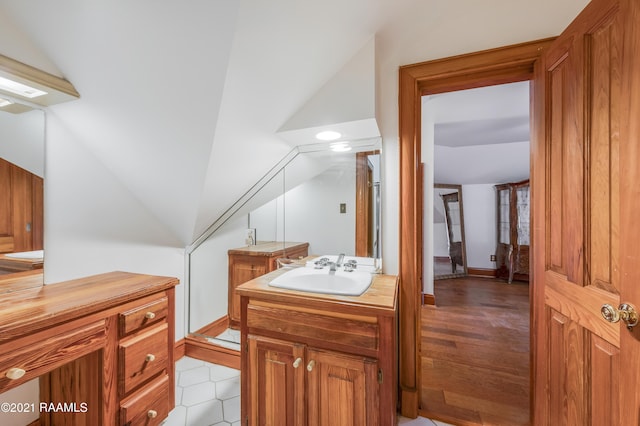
{"x":209,"y":395}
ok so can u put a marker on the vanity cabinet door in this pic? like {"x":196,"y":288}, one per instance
{"x":242,"y":269}
{"x":276,"y":376}
{"x":341,"y":389}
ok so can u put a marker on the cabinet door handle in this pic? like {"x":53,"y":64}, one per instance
{"x":15,"y":373}
{"x":150,"y":357}
{"x":310,"y":366}
{"x":297,"y":362}
{"x":150,"y":315}
{"x":152,"y":414}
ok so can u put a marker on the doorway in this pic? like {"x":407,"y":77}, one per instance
{"x":496,"y":66}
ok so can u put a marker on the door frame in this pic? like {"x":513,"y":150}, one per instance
{"x":485,"y":68}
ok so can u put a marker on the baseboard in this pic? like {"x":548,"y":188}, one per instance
{"x":214,"y":328}
{"x":482,"y":272}
{"x":428,"y":299}
{"x":200,"y":348}
{"x":179,"y":349}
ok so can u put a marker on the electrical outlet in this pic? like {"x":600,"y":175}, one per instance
{"x":493,"y":258}
{"x":250,"y":238}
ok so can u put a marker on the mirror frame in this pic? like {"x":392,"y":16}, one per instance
{"x":457,"y":190}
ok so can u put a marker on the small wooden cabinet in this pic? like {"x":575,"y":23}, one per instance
{"x":247,"y":263}
{"x":318,"y":360}
{"x":104,"y":343}
{"x":513,"y":234}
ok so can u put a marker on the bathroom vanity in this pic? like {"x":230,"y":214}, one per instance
{"x":318,"y":359}
{"x":102,"y":345}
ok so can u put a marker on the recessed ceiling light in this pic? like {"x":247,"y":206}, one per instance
{"x":20,"y":89}
{"x":328,"y":135}
{"x":340,"y":147}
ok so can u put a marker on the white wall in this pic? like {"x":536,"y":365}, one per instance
{"x":93,"y":224}
{"x":312,"y":214}
{"x":22,"y":140}
{"x":479,"y":203}
{"x":209,"y":274}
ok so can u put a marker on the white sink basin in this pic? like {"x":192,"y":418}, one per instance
{"x":321,"y":281}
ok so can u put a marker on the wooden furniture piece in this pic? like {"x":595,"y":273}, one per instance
{"x":102,"y":344}
{"x":21,"y":208}
{"x":11,"y":264}
{"x":513,"y":235}
{"x":249,"y":262}
{"x":318,"y":359}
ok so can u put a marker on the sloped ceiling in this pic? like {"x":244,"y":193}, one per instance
{"x":182,"y":101}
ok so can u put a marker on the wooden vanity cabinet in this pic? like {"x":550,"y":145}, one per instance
{"x":104,"y":341}
{"x":247,"y":263}
{"x":319,"y":360}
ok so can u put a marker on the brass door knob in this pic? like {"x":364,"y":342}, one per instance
{"x":625,"y":312}
{"x":297,"y":362}
{"x":15,"y":373}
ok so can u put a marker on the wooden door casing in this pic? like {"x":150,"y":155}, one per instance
{"x":578,"y":188}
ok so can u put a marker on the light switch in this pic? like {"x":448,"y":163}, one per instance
{"x":343,"y":207}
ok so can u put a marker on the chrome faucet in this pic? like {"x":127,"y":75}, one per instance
{"x":336,"y":264}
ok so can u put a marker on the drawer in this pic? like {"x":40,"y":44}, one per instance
{"x":142,"y":357}
{"x":44,"y":351}
{"x":313,"y":327}
{"x":143,"y":315}
{"x":149,"y":406}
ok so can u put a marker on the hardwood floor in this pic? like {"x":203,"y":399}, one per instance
{"x":475,"y":353}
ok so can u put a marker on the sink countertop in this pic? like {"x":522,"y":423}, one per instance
{"x":381,"y":296}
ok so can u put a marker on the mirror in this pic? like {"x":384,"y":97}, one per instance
{"x":449,"y":248}
{"x":328,"y":199}
{"x":22,"y":143}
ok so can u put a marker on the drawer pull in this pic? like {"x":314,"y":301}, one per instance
{"x":297,"y":362}
{"x":150,"y":315}
{"x":15,"y":373}
{"x":310,"y":366}
{"x":150,"y":357}
{"x":152,"y":414}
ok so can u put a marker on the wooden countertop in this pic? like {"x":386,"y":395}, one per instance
{"x":381,"y":296}
{"x":26,"y":310}
{"x":265,"y":248}
{"x":21,"y":280}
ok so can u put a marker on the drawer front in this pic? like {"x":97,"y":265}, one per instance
{"x":143,"y":316}
{"x":149,"y":406}
{"x":313,"y":328}
{"x":40,"y":353}
{"x":142,"y":357}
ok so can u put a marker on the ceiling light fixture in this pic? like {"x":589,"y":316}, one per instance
{"x":340,"y":147}
{"x":22,"y":82}
{"x":328,"y":135}
{"x":20,"y":89}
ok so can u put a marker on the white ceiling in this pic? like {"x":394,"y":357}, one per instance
{"x":480,"y":135}
{"x":186,"y":103}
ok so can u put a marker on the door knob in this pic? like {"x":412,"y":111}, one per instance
{"x":625,"y":312}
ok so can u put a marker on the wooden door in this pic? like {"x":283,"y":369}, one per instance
{"x":277,"y":375}
{"x":341,"y":390}
{"x":586,"y":174}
